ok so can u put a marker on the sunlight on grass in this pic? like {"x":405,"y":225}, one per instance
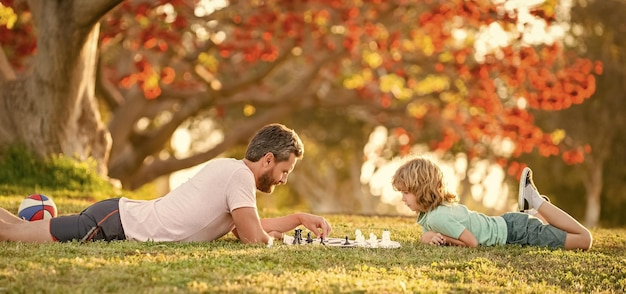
{"x":226,"y":265}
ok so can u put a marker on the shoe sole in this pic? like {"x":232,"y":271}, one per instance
{"x":522,"y":185}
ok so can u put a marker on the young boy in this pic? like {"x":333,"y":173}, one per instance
{"x":444,"y":221}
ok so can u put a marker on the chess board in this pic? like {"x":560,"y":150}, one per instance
{"x":340,"y":242}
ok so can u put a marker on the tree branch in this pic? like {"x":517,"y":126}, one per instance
{"x":6,"y":71}
{"x":263,"y":71}
{"x":287,"y":100}
{"x":239,"y":133}
{"x":89,"y":12}
{"x":107,"y":90}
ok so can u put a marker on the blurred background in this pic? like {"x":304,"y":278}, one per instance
{"x":145,"y":91}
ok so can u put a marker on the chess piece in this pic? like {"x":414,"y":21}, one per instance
{"x":309,"y":240}
{"x":373,"y":241}
{"x":386,"y":236}
{"x":347,"y":242}
{"x":386,"y":239}
{"x":297,"y":238}
{"x":359,"y":238}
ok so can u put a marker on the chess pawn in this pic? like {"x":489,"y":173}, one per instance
{"x":386,"y":238}
{"x":359,"y":238}
{"x":373,"y":241}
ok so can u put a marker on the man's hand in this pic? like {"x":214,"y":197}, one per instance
{"x":316,"y":224}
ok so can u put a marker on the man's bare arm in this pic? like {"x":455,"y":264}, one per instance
{"x":248,"y":226}
{"x":316,"y":224}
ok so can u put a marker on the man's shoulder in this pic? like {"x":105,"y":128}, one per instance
{"x":224,"y":161}
{"x":226,"y":166}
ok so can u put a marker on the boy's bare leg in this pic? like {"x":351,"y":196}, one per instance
{"x":37,"y":231}
{"x":10,"y":218}
{"x":540,"y":217}
{"x":577,"y":235}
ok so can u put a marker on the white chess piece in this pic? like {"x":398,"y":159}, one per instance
{"x":386,"y":235}
{"x":359,"y":238}
{"x":373,"y":241}
{"x":386,"y":239}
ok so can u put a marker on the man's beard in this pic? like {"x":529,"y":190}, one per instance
{"x":266,"y":184}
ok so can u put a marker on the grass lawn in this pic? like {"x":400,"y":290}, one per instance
{"x":229,"y":266}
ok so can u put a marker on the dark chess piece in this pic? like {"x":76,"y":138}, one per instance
{"x":346,"y":242}
{"x":309,"y":240}
{"x":297,"y":238}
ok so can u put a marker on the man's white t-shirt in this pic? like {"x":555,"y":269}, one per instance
{"x":198,"y":210}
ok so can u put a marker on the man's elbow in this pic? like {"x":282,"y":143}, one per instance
{"x":255,"y":240}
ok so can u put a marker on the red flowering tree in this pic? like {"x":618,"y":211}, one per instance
{"x":414,"y":66}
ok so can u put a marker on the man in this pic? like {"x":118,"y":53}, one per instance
{"x":219,"y":199}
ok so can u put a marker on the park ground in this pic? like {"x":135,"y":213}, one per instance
{"x":227,"y":265}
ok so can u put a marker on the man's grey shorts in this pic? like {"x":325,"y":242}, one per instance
{"x":524,"y":229}
{"x":100,"y":221}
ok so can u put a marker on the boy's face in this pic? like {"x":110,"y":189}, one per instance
{"x":410,"y":200}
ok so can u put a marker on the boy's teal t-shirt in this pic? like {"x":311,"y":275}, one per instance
{"x":451,"y":219}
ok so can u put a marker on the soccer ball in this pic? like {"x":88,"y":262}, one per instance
{"x":37,"y":207}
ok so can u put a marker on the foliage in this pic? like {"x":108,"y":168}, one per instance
{"x":397,"y":63}
{"x":227,"y":265}
{"x":415,"y":66}
{"x":459,"y":76}
{"x":21,"y":173}
{"x":596,"y":31}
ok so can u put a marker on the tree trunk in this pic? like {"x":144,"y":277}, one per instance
{"x":593,"y":185}
{"x":327,"y":192}
{"x":53,"y":109}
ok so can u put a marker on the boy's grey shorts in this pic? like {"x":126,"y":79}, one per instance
{"x":100,"y":221}
{"x":524,"y":229}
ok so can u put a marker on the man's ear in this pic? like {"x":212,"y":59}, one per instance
{"x":268,"y":158}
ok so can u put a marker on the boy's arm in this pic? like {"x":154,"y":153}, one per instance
{"x":466,"y":239}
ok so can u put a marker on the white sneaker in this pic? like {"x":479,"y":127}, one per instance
{"x":533,"y":211}
{"x":526,"y":189}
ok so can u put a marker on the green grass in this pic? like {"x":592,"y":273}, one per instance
{"x":229,"y":266}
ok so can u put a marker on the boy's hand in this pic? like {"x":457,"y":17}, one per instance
{"x":433,"y":238}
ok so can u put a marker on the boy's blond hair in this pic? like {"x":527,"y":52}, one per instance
{"x":422,"y":177}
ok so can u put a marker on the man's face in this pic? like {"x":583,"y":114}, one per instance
{"x":276,"y":174}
